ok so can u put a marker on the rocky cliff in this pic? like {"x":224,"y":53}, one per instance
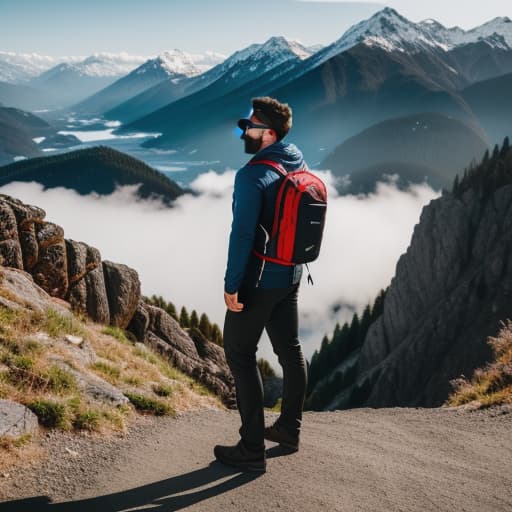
{"x":104,"y":291}
{"x":451,"y":289}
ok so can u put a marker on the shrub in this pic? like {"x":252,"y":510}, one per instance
{"x":144,"y":404}
{"x":50,"y":414}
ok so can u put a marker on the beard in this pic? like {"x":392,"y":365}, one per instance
{"x":252,"y":146}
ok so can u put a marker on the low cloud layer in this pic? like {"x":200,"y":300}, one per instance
{"x":180,"y":253}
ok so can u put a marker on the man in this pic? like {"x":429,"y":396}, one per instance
{"x":260,"y":294}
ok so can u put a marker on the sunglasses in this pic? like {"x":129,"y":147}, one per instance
{"x":246,"y":124}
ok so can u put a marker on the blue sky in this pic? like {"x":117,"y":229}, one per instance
{"x":77,"y":27}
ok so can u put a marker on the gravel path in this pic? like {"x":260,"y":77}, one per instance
{"x":359,"y":460}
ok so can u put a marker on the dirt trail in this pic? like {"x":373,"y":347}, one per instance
{"x":360,"y":460}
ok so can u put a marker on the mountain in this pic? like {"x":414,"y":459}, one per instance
{"x":24,"y":135}
{"x":20,"y":96}
{"x":382,"y":68}
{"x":450,"y":292}
{"x":68,"y":83}
{"x":174,"y":66}
{"x":97,"y":169}
{"x":21,"y":67}
{"x":455,"y":36}
{"x":491,"y":101}
{"x":420,"y":147}
{"x":240,"y":68}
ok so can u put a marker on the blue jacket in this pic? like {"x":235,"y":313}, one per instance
{"x":254,"y":198}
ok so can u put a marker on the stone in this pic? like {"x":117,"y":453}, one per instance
{"x":97,"y":300}
{"x":50,"y":271}
{"x":123,"y":292}
{"x":16,"y":419}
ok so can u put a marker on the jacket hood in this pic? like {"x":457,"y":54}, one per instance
{"x":288,"y":155}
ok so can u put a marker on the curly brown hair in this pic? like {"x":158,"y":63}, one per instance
{"x":275,"y":114}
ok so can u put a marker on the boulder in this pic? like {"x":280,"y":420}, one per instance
{"x":50,"y":271}
{"x":97,"y":300}
{"x":123,"y":292}
{"x":16,"y":419}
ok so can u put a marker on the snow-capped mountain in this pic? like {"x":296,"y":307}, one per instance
{"x":21,"y":67}
{"x":391,"y":31}
{"x":170,"y":63}
{"x":175,"y":66}
{"x":496,"y":32}
{"x":107,"y":64}
{"x":239,"y":68}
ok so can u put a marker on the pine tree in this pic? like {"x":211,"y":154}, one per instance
{"x":505,"y":147}
{"x":194,"y":321}
{"x":184,"y":318}
{"x":216,"y":335}
{"x":205,"y":326}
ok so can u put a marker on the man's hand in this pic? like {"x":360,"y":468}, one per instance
{"x":231,"y":300}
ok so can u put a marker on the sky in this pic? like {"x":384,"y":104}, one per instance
{"x":180,"y":253}
{"x":146,"y":28}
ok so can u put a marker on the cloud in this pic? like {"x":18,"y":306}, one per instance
{"x":180,"y":253}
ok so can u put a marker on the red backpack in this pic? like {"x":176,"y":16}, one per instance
{"x":299,"y":218}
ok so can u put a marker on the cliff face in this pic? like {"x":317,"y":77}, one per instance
{"x":107,"y":292}
{"x":451,"y":289}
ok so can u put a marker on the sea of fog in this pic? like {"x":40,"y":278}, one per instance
{"x":180,"y":253}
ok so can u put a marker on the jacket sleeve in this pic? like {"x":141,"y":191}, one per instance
{"x":247,"y":202}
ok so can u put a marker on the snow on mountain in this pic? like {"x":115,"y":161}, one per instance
{"x":496,"y":32}
{"x":206,"y":60}
{"x":21,"y":67}
{"x":391,"y":31}
{"x":171,"y":64}
{"x":109,"y":64}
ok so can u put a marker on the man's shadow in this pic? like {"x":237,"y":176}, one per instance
{"x":166,"y":495}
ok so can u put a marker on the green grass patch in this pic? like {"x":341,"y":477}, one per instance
{"x":132,"y":380}
{"x":88,"y":419}
{"x":51,"y":414}
{"x":145,"y":404}
{"x":60,"y":380}
{"x":56,"y":324}
{"x":162,"y":390}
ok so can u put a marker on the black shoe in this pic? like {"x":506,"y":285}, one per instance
{"x":240,"y":457}
{"x":281,"y":435}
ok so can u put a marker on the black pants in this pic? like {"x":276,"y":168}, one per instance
{"x":275,"y":310}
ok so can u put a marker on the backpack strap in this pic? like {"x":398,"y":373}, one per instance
{"x":275,"y":165}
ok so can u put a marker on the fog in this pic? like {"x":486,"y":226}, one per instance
{"x":180,"y":253}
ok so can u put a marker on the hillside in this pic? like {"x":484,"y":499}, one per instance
{"x":97,"y":169}
{"x":491,"y":102}
{"x":449,"y":294}
{"x":24,"y":135}
{"x":424,"y":146}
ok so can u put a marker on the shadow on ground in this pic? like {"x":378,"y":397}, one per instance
{"x":170,"y":494}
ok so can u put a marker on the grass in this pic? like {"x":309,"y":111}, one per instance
{"x":56,"y":324}
{"x":51,"y":414}
{"x":118,"y":333}
{"x":29,"y":376}
{"x":492,"y":384}
{"x":145,"y":404}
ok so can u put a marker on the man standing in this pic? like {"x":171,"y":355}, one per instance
{"x":261,"y":294}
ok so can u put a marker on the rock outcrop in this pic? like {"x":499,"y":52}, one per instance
{"x":16,"y":419}
{"x":192,"y":353}
{"x":74,"y":274}
{"x":451,"y":290}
